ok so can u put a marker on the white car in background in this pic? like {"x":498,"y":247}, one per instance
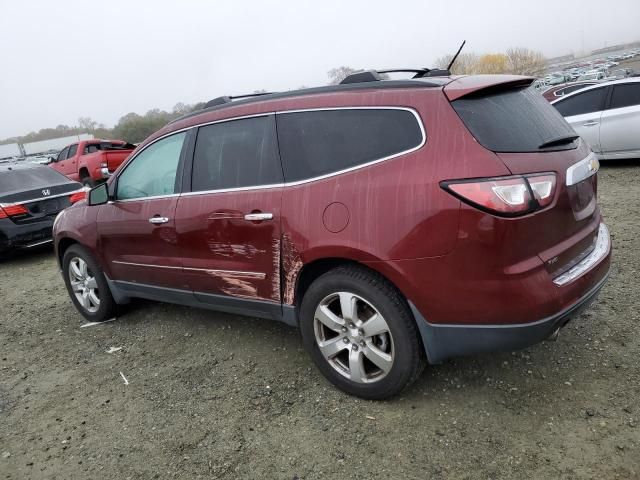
{"x":607,"y":116}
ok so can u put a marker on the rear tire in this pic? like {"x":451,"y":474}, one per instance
{"x":87,"y":285}
{"x":88,"y":182}
{"x":373,"y":350}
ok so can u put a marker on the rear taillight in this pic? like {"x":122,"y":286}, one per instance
{"x":13,"y":211}
{"x":77,"y":196}
{"x":506,"y":196}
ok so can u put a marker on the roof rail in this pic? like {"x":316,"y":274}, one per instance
{"x":374,"y":75}
{"x":228,"y":98}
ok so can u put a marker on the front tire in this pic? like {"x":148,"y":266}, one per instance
{"x":360,"y":333}
{"x":87,"y":285}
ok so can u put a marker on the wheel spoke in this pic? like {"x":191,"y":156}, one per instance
{"x":75,"y":269}
{"x":84,"y":300}
{"x":375,"y":326}
{"x":83,"y":268}
{"x":348,"y":306}
{"x":76,"y":286}
{"x":331,"y":348}
{"x":95,"y":301}
{"x":328,"y":318}
{"x":379,"y":358}
{"x":91,"y":283}
{"x":356,"y":367}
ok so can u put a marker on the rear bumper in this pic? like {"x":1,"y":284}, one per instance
{"x":104,"y":172}
{"x":446,"y":341}
{"x":24,"y":236}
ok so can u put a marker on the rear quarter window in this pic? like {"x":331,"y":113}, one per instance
{"x":320,"y":142}
{"x":512,"y":120}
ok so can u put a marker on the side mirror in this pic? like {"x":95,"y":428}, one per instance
{"x":52,"y":160}
{"x":98,"y":195}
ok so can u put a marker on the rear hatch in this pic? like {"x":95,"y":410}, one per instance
{"x":33,"y":193}
{"x":529,"y":136}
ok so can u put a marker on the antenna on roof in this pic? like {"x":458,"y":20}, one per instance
{"x":456,"y":56}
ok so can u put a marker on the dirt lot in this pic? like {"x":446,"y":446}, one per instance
{"x":219,"y":396}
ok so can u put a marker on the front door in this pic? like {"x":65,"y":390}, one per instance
{"x":229,"y":224}
{"x":137,"y":231}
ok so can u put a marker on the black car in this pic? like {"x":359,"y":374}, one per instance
{"x":31,"y":196}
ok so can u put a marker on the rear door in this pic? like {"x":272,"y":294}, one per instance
{"x":583,"y":111}
{"x":229,"y":224}
{"x":137,"y":230}
{"x":620,"y":122}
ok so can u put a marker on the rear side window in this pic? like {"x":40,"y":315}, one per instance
{"x":625,"y":95}
{"x":513,"y":120}
{"x":29,"y":178}
{"x":581,"y":103}
{"x":237,"y":153}
{"x":321,"y":142}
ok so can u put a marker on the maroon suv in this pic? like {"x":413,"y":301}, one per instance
{"x":394,"y":222}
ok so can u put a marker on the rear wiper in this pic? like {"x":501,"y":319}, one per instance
{"x":558,"y":141}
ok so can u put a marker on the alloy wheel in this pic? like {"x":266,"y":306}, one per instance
{"x":353,"y":337}
{"x":84,"y":285}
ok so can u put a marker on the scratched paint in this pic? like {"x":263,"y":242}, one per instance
{"x":238,"y":287}
{"x":291,"y":266}
{"x":275,"y":269}
{"x":225,"y":249}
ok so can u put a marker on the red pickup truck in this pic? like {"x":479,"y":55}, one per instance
{"x":91,"y":161}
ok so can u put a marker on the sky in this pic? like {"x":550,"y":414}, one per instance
{"x":60,"y":60}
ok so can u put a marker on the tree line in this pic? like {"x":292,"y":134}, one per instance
{"x":134,"y":128}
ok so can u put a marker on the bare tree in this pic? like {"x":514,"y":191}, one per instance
{"x":85,"y":123}
{"x":465,"y":64}
{"x":523,"y":61}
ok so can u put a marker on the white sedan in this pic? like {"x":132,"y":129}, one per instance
{"x":607,"y":116}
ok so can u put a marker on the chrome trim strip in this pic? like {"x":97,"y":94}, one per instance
{"x":583,"y":169}
{"x":598,"y":253}
{"x":234,"y":189}
{"x":38,"y":243}
{"x":23,"y":202}
{"x":155,"y":197}
{"x":212,"y":271}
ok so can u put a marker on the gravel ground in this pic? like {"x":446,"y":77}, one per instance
{"x":219,"y":396}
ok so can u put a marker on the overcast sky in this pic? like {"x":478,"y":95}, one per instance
{"x":60,"y":60}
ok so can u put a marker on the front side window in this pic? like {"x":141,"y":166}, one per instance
{"x":72,"y":151}
{"x":581,"y":103}
{"x":320,"y":142}
{"x":625,"y":95}
{"x":153,"y":171}
{"x":62,"y":155}
{"x":235,"y":154}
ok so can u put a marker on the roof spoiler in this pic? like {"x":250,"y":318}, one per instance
{"x":467,"y":85}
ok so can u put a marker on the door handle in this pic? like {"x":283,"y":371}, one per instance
{"x":158,"y":220}
{"x":590,"y":123}
{"x":256,"y":217}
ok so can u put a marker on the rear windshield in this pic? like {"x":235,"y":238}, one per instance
{"x":514,"y":120}
{"x":29,"y":178}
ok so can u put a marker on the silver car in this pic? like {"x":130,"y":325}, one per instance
{"x":607,"y":116}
